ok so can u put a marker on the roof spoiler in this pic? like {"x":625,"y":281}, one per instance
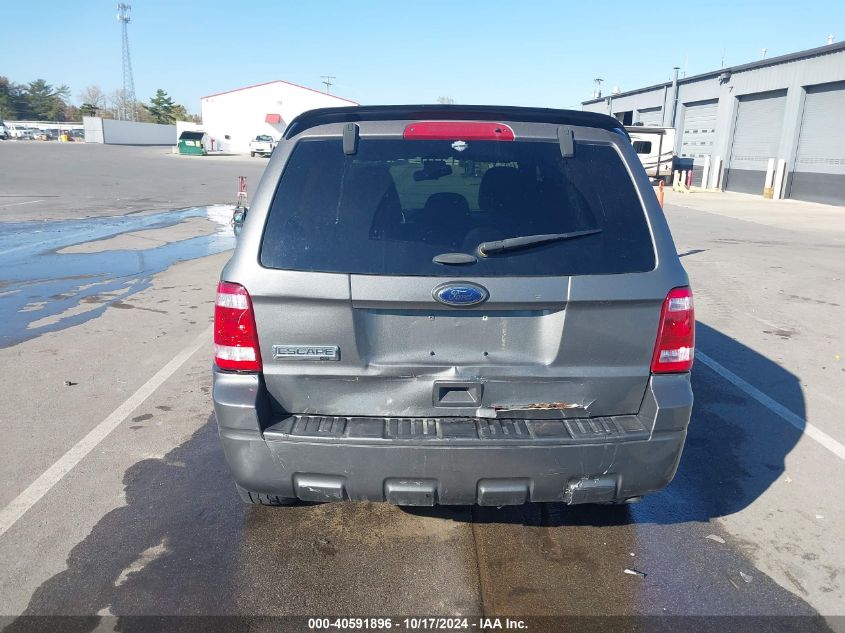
{"x":445,"y":112}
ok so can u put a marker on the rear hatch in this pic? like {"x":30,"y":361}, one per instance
{"x":396,"y":289}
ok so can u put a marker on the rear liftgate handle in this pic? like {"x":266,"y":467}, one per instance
{"x":457,"y":394}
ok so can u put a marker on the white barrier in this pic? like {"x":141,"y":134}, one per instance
{"x":134,"y":133}
{"x":705,"y":174}
{"x":112,"y":132}
{"x":717,"y":173}
{"x":770,"y":174}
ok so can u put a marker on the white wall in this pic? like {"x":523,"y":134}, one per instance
{"x":240,"y":114}
{"x":93,"y":126}
{"x":111,"y":132}
{"x":135,"y":133}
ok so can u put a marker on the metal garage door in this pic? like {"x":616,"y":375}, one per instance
{"x":820,"y":161}
{"x":650,"y":116}
{"x":699,"y":130}
{"x":759,"y":120}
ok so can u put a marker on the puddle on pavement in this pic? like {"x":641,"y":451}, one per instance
{"x":42,"y":290}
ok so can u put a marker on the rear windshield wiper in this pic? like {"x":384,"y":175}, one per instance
{"x":512,"y":243}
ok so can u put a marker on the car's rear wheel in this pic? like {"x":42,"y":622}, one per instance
{"x":252,"y":154}
{"x":262,"y":499}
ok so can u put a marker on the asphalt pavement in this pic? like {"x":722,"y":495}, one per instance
{"x":115,"y":499}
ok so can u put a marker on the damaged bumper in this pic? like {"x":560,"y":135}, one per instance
{"x":447,"y":460}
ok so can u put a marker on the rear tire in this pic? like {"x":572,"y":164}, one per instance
{"x":262,"y":499}
{"x":252,"y":154}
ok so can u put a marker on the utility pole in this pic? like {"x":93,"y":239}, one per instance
{"x":127,"y":107}
{"x":328,"y":81}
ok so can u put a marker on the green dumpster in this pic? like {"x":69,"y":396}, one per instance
{"x":195,"y":143}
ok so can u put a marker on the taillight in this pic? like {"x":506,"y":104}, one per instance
{"x":675,"y":344}
{"x":458,"y":131}
{"x":235,"y":336}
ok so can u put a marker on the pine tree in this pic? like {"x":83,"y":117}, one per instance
{"x":161,"y":108}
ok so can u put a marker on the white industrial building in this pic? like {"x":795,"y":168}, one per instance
{"x":776,"y":123}
{"x":233,"y":118}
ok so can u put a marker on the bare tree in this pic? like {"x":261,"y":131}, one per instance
{"x":94,"y":96}
{"x":445,"y":100}
{"x":119,"y":104}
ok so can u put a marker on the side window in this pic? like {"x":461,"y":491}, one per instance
{"x":642,"y":147}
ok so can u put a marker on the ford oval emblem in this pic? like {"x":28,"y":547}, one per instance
{"x":460,"y":294}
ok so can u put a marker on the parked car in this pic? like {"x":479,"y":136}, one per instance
{"x":4,"y":133}
{"x":262,"y":145}
{"x":17,"y":131}
{"x":453,"y":305}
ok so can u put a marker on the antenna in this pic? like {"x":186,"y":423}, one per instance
{"x":597,"y":89}
{"x":763,"y":52}
{"x":126,"y":108}
{"x":327,"y":80}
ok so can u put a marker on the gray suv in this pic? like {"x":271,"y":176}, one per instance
{"x":453,"y":305}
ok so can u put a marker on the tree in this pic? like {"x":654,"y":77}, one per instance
{"x":180,"y":113}
{"x":119,"y":104}
{"x":45,"y":102}
{"x":445,"y":100}
{"x":93,"y":100}
{"x":69,"y":113}
{"x":12,"y":104}
{"x":161,"y":108}
{"x":143,"y":115}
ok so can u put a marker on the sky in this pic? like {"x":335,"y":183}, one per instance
{"x":535,"y":53}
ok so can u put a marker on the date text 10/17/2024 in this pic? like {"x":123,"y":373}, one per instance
{"x":418,"y":624}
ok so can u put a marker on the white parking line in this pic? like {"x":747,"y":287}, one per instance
{"x":54,"y":474}
{"x":775,"y":407}
{"x":14,"y":204}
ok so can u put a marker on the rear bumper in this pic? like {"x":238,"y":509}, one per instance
{"x":451,"y":460}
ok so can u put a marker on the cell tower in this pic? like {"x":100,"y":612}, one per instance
{"x":126,"y":109}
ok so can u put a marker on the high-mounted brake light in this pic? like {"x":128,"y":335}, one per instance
{"x":458,"y":131}
{"x":235,"y":335}
{"x":675,"y":346}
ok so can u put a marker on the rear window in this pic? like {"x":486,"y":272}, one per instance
{"x":393,"y":206}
